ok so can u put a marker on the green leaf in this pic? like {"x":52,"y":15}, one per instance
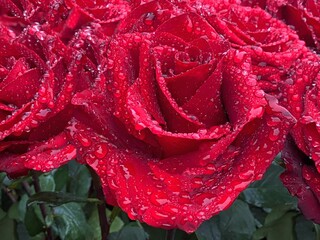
{"x":317,"y":228}
{"x":160,"y":234}
{"x":32,"y":222}
{"x":304,"y":229}
{"x":58,"y":198}
{"x":40,"y":236}
{"x":155,"y":233}
{"x":61,"y":177}
{"x":269,"y":191}
{"x":70,"y":222}
{"x":2,"y":176}
{"x":22,"y":232}
{"x":47,"y":182}
{"x":7,"y":229}
{"x":277,"y":213}
{"x":279,"y":225}
{"x":17,"y":210}
{"x":235,"y":223}
{"x":114,"y":213}
{"x":2,"y":214}
{"x":132,"y":231}
{"x":79,"y":179}
{"x":94,"y":223}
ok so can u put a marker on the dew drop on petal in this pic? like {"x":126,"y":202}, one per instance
{"x":101,"y":150}
{"x":159,"y":198}
{"x":273,"y":121}
{"x":149,"y":18}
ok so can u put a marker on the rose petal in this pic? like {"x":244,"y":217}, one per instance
{"x":44,"y":156}
{"x":20,"y":89}
{"x":248,"y":99}
{"x":302,"y":181}
{"x":206,"y":103}
{"x":185,"y":190}
{"x":147,"y":17}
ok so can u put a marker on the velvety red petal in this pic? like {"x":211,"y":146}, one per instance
{"x":193,"y":28}
{"x":147,"y":17}
{"x":189,"y":81}
{"x":185,"y":190}
{"x":297,"y":98}
{"x":177,"y":120}
{"x":43,"y":156}
{"x":302,"y":180}
{"x":170,"y":143}
{"x":20,"y":89}
{"x":206,"y":103}
{"x":255,"y":31}
{"x":241,"y":96}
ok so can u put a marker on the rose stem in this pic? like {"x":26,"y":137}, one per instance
{"x":104,"y":224}
{"x":27,"y":188}
{"x":171,"y":234}
{"x":9,"y":193}
{"x":36,"y":184}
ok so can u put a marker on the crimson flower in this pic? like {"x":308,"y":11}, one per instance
{"x":181,"y":126}
{"x":302,"y":15}
{"x":38,"y":77}
{"x":300,"y":97}
{"x":272,"y":45}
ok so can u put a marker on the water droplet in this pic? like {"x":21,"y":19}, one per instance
{"x":256,"y":112}
{"x":159,"y":199}
{"x":246,"y":175}
{"x":306,"y":174}
{"x":238,"y":57}
{"x":273,"y":121}
{"x":224,"y":202}
{"x":251,"y":81}
{"x":295,"y":97}
{"x":84,"y":141}
{"x":101,"y":150}
{"x":43,"y":113}
{"x":189,"y":25}
{"x":137,"y":38}
{"x":274,"y":134}
{"x":204,"y":199}
{"x":170,"y":209}
{"x":197,"y":182}
{"x":149,"y":18}
{"x":259,"y":93}
{"x":157,"y":215}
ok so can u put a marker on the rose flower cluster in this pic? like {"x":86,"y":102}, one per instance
{"x":176,"y":105}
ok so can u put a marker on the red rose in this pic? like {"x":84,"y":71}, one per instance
{"x":304,"y":16}
{"x":300,"y":97}
{"x":302,"y":158}
{"x":81,"y":13}
{"x":302,"y":180}
{"x":181,"y":127}
{"x":38,"y":76}
{"x":18,"y":14}
{"x":272,"y":45}
{"x":63,"y":17}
